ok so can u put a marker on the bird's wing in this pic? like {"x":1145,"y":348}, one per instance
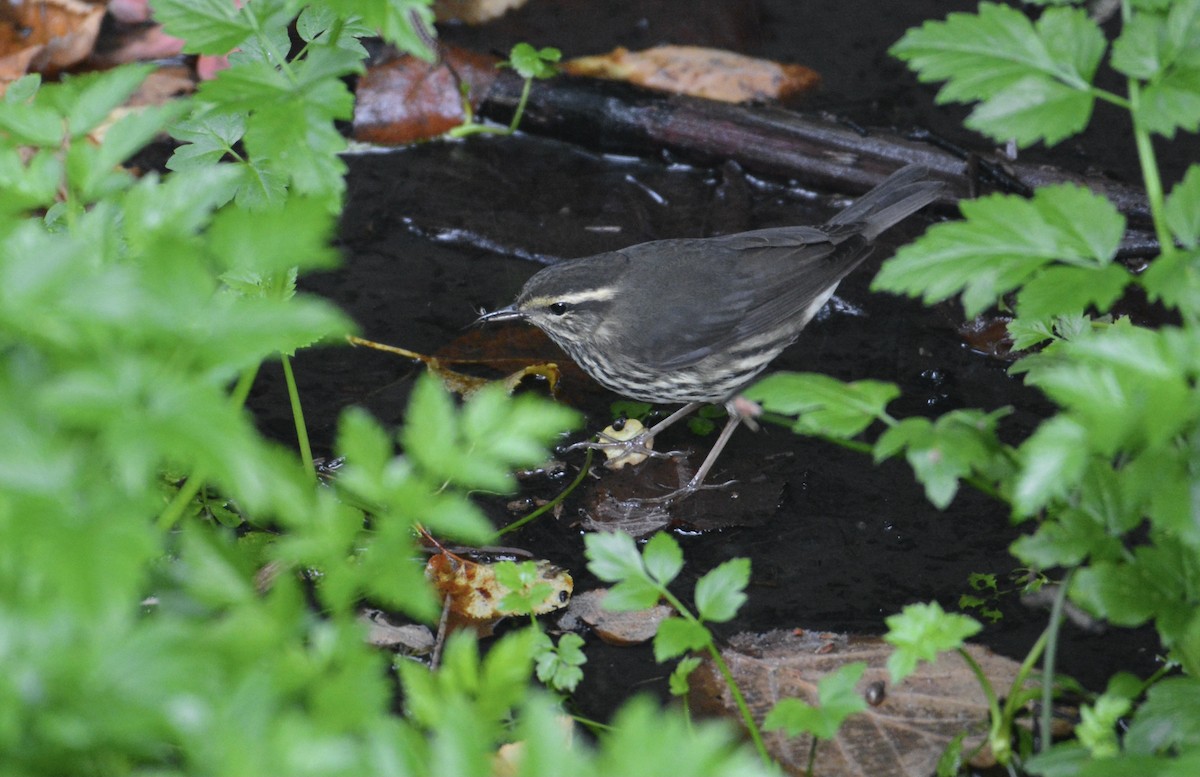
{"x":764,"y":280}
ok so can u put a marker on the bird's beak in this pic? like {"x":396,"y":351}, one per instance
{"x":509,"y":313}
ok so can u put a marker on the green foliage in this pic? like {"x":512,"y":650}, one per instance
{"x":530,"y":64}
{"x":922,"y":631}
{"x":836,"y":701}
{"x":1031,"y":80}
{"x":533,"y":63}
{"x":823,"y":405}
{"x":641,"y":581}
{"x":140,"y":635}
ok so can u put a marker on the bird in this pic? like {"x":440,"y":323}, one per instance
{"x":694,"y":321}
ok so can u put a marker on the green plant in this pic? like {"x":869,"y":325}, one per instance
{"x":1109,"y":480}
{"x":160,"y":559}
{"x":530,"y":63}
{"x":641,"y":581}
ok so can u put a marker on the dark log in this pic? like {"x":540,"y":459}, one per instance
{"x":777,"y":143}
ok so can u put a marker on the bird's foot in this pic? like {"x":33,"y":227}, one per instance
{"x":626,"y":443}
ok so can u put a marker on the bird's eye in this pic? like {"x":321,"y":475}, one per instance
{"x":558,"y":308}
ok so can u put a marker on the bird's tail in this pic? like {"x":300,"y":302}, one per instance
{"x":901,"y":194}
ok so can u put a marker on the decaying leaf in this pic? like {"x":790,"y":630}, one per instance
{"x":461,"y":383}
{"x":615,"y":628}
{"x":475,"y":593}
{"x":408,"y":99}
{"x":45,"y":36}
{"x":411,"y":639}
{"x":904,"y":729}
{"x":474,"y":11}
{"x":702,"y":72}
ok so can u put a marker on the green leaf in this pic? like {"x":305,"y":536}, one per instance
{"x":920,"y":632}
{"x":836,"y":701}
{"x":1183,"y":209}
{"x":613,"y":556}
{"x":206,"y":26}
{"x":1052,"y":462}
{"x":1174,"y":280}
{"x":942,"y":453}
{"x":721,"y":592}
{"x":663,"y":558}
{"x":268,"y":243}
{"x":207,"y":139}
{"x":678,"y":680}
{"x":87,"y":100}
{"x":534,"y":63}
{"x":1065,"y":540}
{"x":1160,"y":50}
{"x":823,"y":405}
{"x":1033,"y":81}
{"x":677,"y":636}
{"x":406,"y":24}
{"x":1168,"y":720}
{"x":1062,"y":290}
{"x":1003,"y":241}
{"x":1097,"y":729}
{"x":632,"y":594}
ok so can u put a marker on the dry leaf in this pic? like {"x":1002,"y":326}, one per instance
{"x":461,"y":383}
{"x":473,"y":11}
{"x":411,"y":639}
{"x":475,"y":594}
{"x":615,"y":628}
{"x":46,"y":36}
{"x":702,"y":72}
{"x":901,"y":734}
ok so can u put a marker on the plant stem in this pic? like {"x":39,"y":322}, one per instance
{"x":187,"y":492}
{"x":520,"y":111}
{"x":1000,"y":747}
{"x":587,"y":463}
{"x":306,"y":456}
{"x":1048,"y":661}
{"x":738,"y":698}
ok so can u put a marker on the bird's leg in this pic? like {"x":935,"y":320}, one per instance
{"x":640,"y":442}
{"x":741,"y":410}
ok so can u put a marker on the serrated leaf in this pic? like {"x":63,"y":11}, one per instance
{"x":1065,"y":540}
{"x":1182,"y":210}
{"x":1174,"y":280}
{"x":663,"y":558}
{"x":613,"y":556}
{"x":836,"y":701}
{"x":86,"y":101}
{"x":1002,"y":242}
{"x":206,"y":26}
{"x":1172,"y":102}
{"x":1033,"y":80}
{"x":1064,"y":290}
{"x":1052,"y":462}
{"x":920,"y":632}
{"x":720,"y":593}
{"x":406,"y":24}
{"x":677,"y":636}
{"x":824,"y":405}
{"x":270,"y":242}
{"x":632,"y":594}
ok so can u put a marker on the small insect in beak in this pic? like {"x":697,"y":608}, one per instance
{"x":509,"y":313}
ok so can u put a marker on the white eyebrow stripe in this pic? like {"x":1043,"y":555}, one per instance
{"x":602,"y":294}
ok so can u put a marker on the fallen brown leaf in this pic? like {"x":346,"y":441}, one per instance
{"x":702,"y":72}
{"x":615,"y":628}
{"x":45,"y":36}
{"x":903,"y":731}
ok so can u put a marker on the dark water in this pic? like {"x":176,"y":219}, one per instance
{"x":433,"y":233}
